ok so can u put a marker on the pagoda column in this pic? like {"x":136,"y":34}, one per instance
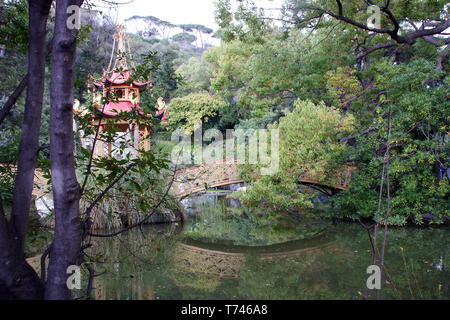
{"x":99,"y":143}
{"x":136,"y":139}
{"x":146,"y":140}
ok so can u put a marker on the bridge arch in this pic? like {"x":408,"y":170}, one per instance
{"x":224,"y":172}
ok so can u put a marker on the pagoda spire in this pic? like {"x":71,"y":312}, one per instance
{"x":121,"y":54}
{"x":120,"y":51}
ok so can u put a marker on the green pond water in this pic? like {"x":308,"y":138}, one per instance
{"x":223,"y":252}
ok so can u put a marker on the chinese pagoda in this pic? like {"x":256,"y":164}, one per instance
{"x":117,"y":81}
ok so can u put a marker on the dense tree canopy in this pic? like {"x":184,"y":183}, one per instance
{"x":309,"y":142}
{"x":189,"y":111}
{"x":326,"y":51}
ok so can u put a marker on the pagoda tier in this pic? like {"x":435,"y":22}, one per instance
{"x":126,"y":99}
{"x":126,"y":90}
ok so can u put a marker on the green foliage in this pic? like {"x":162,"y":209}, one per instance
{"x":227,"y":62}
{"x":165,"y":79}
{"x":315,"y":58}
{"x":246,"y":23}
{"x":184,"y":37}
{"x":186,"y":112}
{"x":342,"y":85}
{"x":196,"y":76}
{"x":134,"y":197}
{"x":258,"y":123}
{"x":309,"y":142}
{"x":199,"y":27}
{"x":13,"y":52}
{"x":268,"y":77}
{"x":9,"y":141}
{"x":419,"y":142}
{"x":93,"y":51}
{"x":14,"y":25}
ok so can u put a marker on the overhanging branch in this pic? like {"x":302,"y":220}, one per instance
{"x":409,"y":38}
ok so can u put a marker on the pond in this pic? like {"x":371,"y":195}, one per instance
{"x":227,"y":252}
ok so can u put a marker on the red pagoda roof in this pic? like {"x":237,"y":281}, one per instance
{"x":122,"y":77}
{"x":115,"y":108}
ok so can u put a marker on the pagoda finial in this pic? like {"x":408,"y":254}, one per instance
{"x":120,"y":38}
{"x":120,"y":50}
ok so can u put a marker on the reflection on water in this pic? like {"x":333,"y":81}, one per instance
{"x":318,"y":261}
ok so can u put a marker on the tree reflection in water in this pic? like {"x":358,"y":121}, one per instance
{"x":178,"y":262}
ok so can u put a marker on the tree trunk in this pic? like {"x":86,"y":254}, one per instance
{"x":17,"y":279}
{"x":66,"y":190}
{"x":29,"y":140}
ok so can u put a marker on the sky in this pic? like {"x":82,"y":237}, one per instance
{"x":176,"y":11}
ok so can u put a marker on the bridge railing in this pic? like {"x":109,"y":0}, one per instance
{"x":341,"y":180}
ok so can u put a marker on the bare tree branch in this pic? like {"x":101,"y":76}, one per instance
{"x":7,"y":107}
{"x":91,"y":158}
{"x":388,"y":202}
{"x":409,"y":38}
{"x":443,"y":57}
{"x":340,"y":8}
{"x":437,"y":41}
{"x":88,"y":222}
{"x":143,"y":221}
{"x":375,"y":48}
{"x":9,"y":104}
